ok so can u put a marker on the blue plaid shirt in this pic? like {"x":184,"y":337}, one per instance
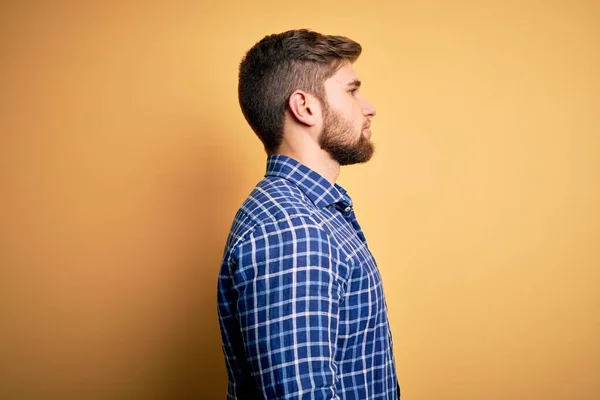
{"x":300,"y":300}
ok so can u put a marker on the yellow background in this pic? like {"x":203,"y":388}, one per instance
{"x":124,"y":156}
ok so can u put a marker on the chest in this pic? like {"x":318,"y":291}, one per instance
{"x":364,"y":291}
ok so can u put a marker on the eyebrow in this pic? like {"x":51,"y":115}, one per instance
{"x":354,"y":82}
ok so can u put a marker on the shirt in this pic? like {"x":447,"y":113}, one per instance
{"x":300,"y":299}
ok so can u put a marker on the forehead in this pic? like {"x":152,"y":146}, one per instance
{"x":344,"y":75}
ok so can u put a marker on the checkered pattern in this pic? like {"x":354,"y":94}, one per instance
{"x":300,"y":299}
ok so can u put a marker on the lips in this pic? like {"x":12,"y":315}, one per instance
{"x":367,"y":130}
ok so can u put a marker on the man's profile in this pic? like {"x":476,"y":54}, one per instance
{"x":300,"y":300}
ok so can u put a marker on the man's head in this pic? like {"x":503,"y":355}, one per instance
{"x":308,"y":64}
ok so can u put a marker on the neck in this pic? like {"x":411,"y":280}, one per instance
{"x":316,"y":159}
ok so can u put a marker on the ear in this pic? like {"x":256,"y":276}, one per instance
{"x":304,"y":107}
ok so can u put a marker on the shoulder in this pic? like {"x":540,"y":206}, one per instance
{"x":275,"y":198}
{"x":277,"y":229}
{"x":275,"y":206}
{"x":278,"y":211}
{"x":290,"y":242}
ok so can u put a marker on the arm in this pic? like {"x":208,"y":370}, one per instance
{"x":288,"y":305}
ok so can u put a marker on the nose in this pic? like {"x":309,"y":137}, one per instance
{"x":368,"y":109}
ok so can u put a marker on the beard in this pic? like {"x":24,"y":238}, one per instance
{"x":337,"y":139}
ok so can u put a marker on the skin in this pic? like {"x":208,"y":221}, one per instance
{"x":311,"y":128}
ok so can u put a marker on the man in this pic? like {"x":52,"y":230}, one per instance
{"x":300,"y":300}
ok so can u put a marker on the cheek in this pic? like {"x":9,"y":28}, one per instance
{"x":359,"y":118}
{"x":352,"y":112}
{"x":358,"y":110}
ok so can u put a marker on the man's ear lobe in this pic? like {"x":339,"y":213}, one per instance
{"x":303,"y":107}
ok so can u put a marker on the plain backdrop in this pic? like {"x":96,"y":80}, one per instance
{"x":124,"y":156}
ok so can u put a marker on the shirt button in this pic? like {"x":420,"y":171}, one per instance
{"x":348,"y":209}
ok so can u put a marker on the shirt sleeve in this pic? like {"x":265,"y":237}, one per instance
{"x":289,"y":291}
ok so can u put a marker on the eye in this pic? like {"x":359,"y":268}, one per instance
{"x":352,"y":91}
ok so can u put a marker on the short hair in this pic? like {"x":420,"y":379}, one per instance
{"x":280,"y":64}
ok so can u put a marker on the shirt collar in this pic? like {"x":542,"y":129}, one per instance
{"x":318,"y":189}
